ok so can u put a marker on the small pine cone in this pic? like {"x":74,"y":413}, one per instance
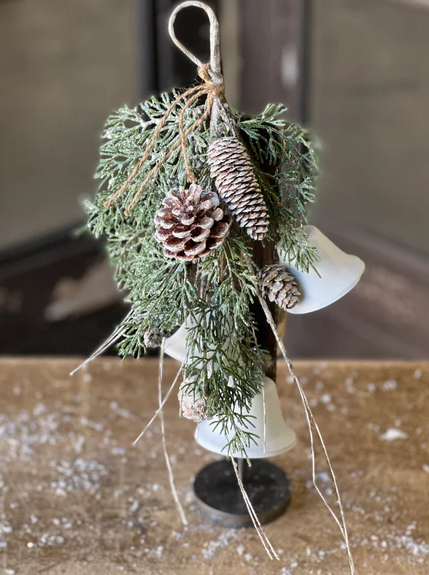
{"x":232,"y":170}
{"x":191,"y":223}
{"x":279,"y":285}
{"x":152,"y":338}
{"x":194,"y":408}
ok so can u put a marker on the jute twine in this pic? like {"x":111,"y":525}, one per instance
{"x":211,"y":89}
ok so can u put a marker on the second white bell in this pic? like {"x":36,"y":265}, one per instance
{"x":337,"y":274}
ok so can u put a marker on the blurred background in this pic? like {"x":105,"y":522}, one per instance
{"x":354,"y":71}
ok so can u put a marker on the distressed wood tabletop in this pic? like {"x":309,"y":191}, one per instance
{"x":77,"y":497}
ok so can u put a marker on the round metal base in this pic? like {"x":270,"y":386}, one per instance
{"x":219,"y":497}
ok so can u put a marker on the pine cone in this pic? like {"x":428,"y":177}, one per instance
{"x":232,"y":170}
{"x":152,"y":338}
{"x":279,"y":285}
{"x":194,"y":408}
{"x":191,"y":223}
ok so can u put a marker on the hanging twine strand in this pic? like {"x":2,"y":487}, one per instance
{"x":164,"y":401}
{"x":150,"y":146}
{"x":255,"y":519}
{"x":113,"y":338}
{"x":164,"y":440}
{"x":211,"y":90}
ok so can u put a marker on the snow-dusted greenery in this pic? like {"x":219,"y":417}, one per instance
{"x":213,"y":295}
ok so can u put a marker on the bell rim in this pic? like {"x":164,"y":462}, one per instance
{"x":212,"y":448}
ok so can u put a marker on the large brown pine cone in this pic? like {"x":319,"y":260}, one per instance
{"x":232,"y":170}
{"x":191,"y":223}
{"x":279,"y":285}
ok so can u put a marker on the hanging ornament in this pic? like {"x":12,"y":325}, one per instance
{"x":278,"y":285}
{"x":234,"y":175}
{"x":191,"y":223}
{"x":174,"y":175}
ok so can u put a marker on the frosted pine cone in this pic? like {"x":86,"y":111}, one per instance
{"x":191,"y":223}
{"x":191,"y":407}
{"x":279,"y":285}
{"x":232,"y":170}
{"x":153,"y":338}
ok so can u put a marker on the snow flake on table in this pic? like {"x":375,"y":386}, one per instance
{"x":392,"y":434}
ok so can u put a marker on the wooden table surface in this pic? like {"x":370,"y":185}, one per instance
{"x":77,"y":497}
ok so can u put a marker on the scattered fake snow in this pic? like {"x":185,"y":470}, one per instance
{"x":210,"y":548}
{"x":389,"y":385}
{"x":30,"y":430}
{"x":392,"y":434}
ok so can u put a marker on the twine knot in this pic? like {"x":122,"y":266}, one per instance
{"x":207,"y":75}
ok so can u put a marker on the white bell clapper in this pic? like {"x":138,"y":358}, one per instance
{"x":274,"y":436}
{"x":338,"y":274}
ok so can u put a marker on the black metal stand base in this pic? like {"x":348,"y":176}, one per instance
{"x":219,"y":497}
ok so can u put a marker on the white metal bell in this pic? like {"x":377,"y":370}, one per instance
{"x":278,"y":437}
{"x":339,"y":273}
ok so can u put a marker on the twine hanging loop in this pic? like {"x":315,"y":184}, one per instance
{"x":215,"y":64}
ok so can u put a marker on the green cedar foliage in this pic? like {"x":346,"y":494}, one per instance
{"x":214,"y":294}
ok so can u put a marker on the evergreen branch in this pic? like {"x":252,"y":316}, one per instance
{"x":214,"y":295}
